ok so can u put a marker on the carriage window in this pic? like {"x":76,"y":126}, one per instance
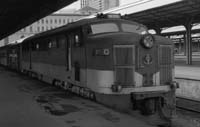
{"x":134,"y":28}
{"x":104,"y":28}
{"x":43,"y":45}
{"x":77,"y":40}
{"x":37,"y":46}
{"x":52,"y":43}
{"x":61,"y":41}
{"x":24,"y":47}
{"x":34,"y":46}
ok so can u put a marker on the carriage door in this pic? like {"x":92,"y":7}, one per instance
{"x":78,"y":59}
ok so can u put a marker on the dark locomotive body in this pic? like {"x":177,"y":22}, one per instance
{"x":113,"y":61}
{"x":10,"y":56}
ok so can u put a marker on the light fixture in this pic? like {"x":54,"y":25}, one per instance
{"x":148,"y":41}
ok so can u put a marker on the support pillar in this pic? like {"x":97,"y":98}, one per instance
{"x":188,"y":27}
{"x":184,"y":43}
{"x":158,"y":30}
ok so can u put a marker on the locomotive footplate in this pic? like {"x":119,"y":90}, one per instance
{"x":145,"y":95}
{"x":148,"y":102}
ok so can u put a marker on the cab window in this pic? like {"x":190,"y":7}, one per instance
{"x":104,"y":28}
{"x":133,"y":28}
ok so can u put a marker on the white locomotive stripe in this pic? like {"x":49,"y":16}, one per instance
{"x":163,"y":88}
{"x":138,"y":79}
{"x":99,"y":81}
{"x":99,"y":78}
{"x":156,"y":79}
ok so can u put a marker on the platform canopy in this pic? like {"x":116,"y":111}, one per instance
{"x":16,"y":14}
{"x":161,"y":13}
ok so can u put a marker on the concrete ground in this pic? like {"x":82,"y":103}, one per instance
{"x":188,"y":72}
{"x":25,"y":102}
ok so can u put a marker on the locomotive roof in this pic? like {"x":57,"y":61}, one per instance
{"x":73,"y":25}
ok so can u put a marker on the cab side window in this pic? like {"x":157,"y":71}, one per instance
{"x":77,"y":38}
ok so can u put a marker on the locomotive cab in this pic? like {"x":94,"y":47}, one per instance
{"x":123,"y":58}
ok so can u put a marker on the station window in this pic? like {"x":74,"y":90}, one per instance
{"x":51,"y":21}
{"x":55,"y":20}
{"x":38,"y":29}
{"x":31,"y":29}
{"x":47,"y":21}
{"x":42,"y":28}
{"x":42,"y":21}
{"x":59,"y":21}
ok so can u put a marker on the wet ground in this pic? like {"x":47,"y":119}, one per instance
{"x":26,"y":102}
{"x":189,"y":117}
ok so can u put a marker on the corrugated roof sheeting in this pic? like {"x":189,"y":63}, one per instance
{"x":169,"y":15}
{"x":16,"y":14}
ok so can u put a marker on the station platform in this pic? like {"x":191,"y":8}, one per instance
{"x":188,"y":78}
{"x":188,"y":72}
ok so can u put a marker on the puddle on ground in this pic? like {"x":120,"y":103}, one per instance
{"x":64,"y":95}
{"x":50,"y":104}
{"x":25,"y":88}
{"x":92,"y":107}
{"x":52,"y":89}
{"x":63,"y":110}
{"x":70,"y":121}
{"x":70,"y":108}
{"x":110,"y":117}
{"x":47,"y":99}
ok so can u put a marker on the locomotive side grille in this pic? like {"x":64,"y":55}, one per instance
{"x":166,"y":63}
{"x":124,"y":64}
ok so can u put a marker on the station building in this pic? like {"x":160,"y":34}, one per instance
{"x":100,"y":5}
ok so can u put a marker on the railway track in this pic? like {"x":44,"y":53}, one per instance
{"x":188,"y":104}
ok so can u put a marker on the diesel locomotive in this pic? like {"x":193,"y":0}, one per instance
{"x":108,"y":59}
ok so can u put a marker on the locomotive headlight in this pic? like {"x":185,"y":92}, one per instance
{"x":148,"y":41}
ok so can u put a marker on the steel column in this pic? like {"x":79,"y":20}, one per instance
{"x":188,"y":27}
{"x":158,"y":30}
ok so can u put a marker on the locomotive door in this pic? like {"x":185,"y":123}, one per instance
{"x":78,"y":60}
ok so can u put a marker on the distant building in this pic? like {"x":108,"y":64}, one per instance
{"x":47,"y":23}
{"x":100,"y":4}
{"x":84,"y":3}
{"x":87,"y":10}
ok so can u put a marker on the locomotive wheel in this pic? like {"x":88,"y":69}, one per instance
{"x":148,"y":106}
{"x":164,"y":109}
